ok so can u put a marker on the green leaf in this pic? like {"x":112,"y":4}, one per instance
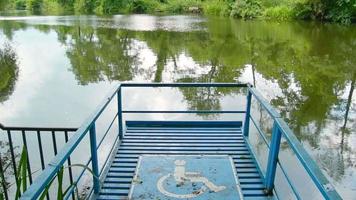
{"x":68,"y":189}
{"x":22,"y":174}
{"x":60,"y":184}
{"x":24,"y":170}
{"x":45,"y":192}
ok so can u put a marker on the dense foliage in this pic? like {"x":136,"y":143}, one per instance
{"x":343,"y":11}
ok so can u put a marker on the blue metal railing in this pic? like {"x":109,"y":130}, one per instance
{"x":14,"y":136}
{"x":279,"y":129}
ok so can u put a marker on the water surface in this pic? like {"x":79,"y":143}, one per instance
{"x":66,"y":64}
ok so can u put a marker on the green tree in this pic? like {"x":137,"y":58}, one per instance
{"x":34,"y":5}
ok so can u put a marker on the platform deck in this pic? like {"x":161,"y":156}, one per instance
{"x":181,"y":138}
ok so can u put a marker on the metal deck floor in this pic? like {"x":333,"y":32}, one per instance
{"x":173,"y":138}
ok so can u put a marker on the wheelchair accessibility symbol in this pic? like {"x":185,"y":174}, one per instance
{"x":182,"y":177}
{"x":185,"y":177}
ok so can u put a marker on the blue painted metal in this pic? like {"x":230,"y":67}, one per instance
{"x":247,"y":115}
{"x":145,"y":85}
{"x":272,"y":159}
{"x":259,"y":130}
{"x":106,"y":132}
{"x":176,"y":124}
{"x":175,"y":141}
{"x":119,"y":113}
{"x":271,"y":111}
{"x":256,"y":161}
{"x":322,"y":183}
{"x":72,"y":189}
{"x":36,"y":188}
{"x":182,"y":137}
{"x":187,"y":111}
{"x":116,"y":141}
{"x":169,"y":177}
{"x":94,"y":159}
{"x":289,"y":180}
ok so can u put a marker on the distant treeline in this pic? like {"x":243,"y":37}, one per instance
{"x":343,"y":11}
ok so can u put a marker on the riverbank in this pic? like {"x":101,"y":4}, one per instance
{"x":340,"y":11}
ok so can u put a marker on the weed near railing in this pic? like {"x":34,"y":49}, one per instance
{"x":22,"y":178}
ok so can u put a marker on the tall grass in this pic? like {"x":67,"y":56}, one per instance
{"x":22,"y":184}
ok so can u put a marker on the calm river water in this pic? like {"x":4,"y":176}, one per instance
{"x":306,"y":70}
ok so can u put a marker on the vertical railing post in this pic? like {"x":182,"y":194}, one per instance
{"x":94,"y":159}
{"x":247,"y":114}
{"x":119,"y":114}
{"x":273,"y":158}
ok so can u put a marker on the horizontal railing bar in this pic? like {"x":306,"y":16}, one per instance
{"x":272,"y":111}
{"x":18,"y":128}
{"x":184,"y":85}
{"x":71,"y":190}
{"x":258,"y":163}
{"x":106,"y":132}
{"x":259,"y":131}
{"x":182,"y":111}
{"x":107,"y":159}
{"x":289,"y":180}
{"x":53,"y":167}
{"x":322,"y":183}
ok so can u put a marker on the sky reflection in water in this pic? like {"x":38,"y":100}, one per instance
{"x":306,"y":70}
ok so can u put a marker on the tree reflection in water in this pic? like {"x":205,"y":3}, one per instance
{"x":8,"y":71}
{"x":310,"y":81}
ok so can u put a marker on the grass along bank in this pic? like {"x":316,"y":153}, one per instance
{"x":342,"y":11}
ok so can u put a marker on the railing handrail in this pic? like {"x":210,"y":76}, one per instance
{"x":322,"y":183}
{"x":32,"y":128}
{"x":307,"y":161}
{"x":53,"y":167}
{"x":184,"y":84}
{"x":272,"y":111}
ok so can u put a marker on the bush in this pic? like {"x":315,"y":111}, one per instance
{"x":144,"y":6}
{"x":306,"y":9}
{"x":217,"y":7}
{"x":20,"y":4}
{"x":3,"y":4}
{"x":85,"y":6}
{"x":34,"y":5}
{"x":180,"y":6}
{"x":110,"y":6}
{"x":336,"y":10}
{"x":246,"y":9}
{"x":279,"y":13}
{"x":342,"y":11}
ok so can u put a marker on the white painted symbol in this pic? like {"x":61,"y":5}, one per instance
{"x":181,"y":176}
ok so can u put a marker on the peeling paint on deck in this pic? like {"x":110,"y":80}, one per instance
{"x":185,"y":177}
